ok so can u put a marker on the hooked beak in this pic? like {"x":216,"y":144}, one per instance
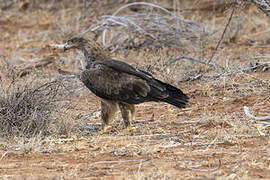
{"x":66,"y":47}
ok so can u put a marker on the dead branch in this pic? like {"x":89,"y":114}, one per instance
{"x":204,"y":144}
{"x":206,"y":170}
{"x":62,"y":140}
{"x":7,"y":4}
{"x":222,"y":36}
{"x":43,"y":63}
{"x":146,"y":4}
{"x":119,"y":162}
{"x":252,"y":135}
{"x":263,"y":5}
{"x":265,"y":118}
{"x":229,"y":73}
{"x":148,"y":29}
{"x":39,"y":102}
{"x":191,"y":59}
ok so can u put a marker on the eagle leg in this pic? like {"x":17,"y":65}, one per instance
{"x":108,"y":110}
{"x":128,"y":113}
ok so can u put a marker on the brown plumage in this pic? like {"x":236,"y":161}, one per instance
{"x":119,"y":84}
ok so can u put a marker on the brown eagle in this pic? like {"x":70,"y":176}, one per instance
{"x":120,"y":85}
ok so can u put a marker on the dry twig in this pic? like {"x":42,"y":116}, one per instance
{"x":206,"y":170}
{"x":119,"y":162}
{"x":191,"y":59}
{"x":263,"y":5}
{"x":265,"y":118}
{"x":222,"y":36}
{"x":204,"y":144}
{"x":151,"y":29}
{"x":252,"y":135}
{"x":249,"y":69}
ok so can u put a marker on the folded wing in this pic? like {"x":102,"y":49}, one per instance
{"x":116,"y":80}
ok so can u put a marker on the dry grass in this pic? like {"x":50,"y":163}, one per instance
{"x":55,"y":138}
{"x":27,"y":105}
{"x":36,"y":105}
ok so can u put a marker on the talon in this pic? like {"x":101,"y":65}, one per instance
{"x":127,"y":129}
{"x":103,"y":130}
{"x":100,"y":133}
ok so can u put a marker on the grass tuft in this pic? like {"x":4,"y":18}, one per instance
{"x":26,"y":106}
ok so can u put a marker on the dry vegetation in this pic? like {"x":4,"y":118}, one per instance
{"x":49,"y":119}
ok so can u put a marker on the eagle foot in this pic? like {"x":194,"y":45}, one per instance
{"x":104,"y":130}
{"x":101,"y":132}
{"x":127,"y":129}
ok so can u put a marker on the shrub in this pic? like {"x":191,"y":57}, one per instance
{"x":26,"y":107}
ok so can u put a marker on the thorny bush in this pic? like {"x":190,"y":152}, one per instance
{"x":26,"y":108}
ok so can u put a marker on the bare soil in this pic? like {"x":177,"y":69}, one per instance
{"x":210,"y":139}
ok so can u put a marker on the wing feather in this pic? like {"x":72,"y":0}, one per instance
{"x":113,"y":84}
{"x":126,"y":68}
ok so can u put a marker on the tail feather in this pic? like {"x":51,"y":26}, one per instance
{"x":180,"y":103}
{"x":176,"y":96}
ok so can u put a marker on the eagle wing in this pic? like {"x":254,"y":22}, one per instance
{"x":126,"y":68}
{"x":116,"y":80}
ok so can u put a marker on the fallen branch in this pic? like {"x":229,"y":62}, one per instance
{"x":252,"y":135}
{"x":206,"y":170}
{"x":43,"y":63}
{"x":263,"y":5}
{"x":191,"y":59}
{"x":153,"y":29}
{"x":170,"y":146}
{"x":59,"y":141}
{"x":119,"y":162}
{"x":265,"y":118}
{"x":229,"y":73}
{"x":222,"y":36}
{"x":204,"y":144}
{"x":7,"y":5}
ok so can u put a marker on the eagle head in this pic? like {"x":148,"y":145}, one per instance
{"x":75,"y":43}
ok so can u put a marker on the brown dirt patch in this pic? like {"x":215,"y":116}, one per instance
{"x":211,"y":138}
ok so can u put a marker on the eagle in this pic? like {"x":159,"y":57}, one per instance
{"x":119,"y":84}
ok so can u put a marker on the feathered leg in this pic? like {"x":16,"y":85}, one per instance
{"x":128,"y":113}
{"x":108,"y":109}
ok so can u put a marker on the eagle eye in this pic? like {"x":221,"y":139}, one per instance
{"x":71,"y":41}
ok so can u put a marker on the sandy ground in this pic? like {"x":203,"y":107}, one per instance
{"x":210,"y":139}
